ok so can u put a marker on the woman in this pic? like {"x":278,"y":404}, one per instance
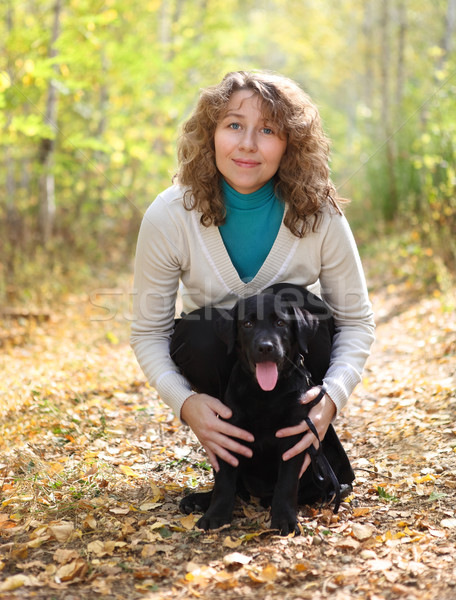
{"x":253,"y":206}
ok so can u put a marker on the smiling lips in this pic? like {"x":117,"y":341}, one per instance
{"x":245,"y":163}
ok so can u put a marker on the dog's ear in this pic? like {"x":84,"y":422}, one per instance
{"x":226,"y":327}
{"x":306,"y":326}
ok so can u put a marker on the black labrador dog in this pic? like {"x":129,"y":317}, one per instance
{"x":271,"y":337}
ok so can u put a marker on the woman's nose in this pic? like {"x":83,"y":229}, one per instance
{"x":248,"y":141}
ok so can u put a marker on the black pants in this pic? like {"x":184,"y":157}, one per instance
{"x":202,"y":357}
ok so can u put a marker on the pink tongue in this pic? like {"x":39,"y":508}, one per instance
{"x":267,"y":374}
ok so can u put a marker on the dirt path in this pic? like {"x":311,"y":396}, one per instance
{"x":93,"y":465}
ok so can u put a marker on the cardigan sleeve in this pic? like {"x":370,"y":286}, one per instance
{"x":344,"y":289}
{"x":157,"y":270}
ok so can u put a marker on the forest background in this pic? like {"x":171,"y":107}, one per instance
{"x":92,"y":464}
{"x":93,"y":92}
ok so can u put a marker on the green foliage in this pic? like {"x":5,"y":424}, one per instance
{"x":126,"y":75}
{"x":384,"y":495}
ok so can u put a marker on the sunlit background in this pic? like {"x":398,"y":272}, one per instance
{"x":92,"y":95}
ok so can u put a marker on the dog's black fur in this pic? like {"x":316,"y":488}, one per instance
{"x":265,"y":328}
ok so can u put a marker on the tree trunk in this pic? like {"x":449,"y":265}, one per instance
{"x":47,"y":145}
{"x":368,"y":32}
{"x":400,"y":75}
{"x":447,"y":42}
{"x":13,"y":221}
{"x":390,"y":202}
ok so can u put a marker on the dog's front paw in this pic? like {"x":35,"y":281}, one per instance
{"x":285,"y":521}
{"x":196,"y":502}
{"x":213,"y":521}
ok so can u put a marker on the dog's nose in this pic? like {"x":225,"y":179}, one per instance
{"x":265,"y":347}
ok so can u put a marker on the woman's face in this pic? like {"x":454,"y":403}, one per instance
{"x":248,"y":147}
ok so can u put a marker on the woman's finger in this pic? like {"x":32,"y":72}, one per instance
{"x":305,"y":464}
{"x":234,"y":432}
{"x":310,"y":395}
{"x":295,"y":430}
{"x":304,"y":443}
{"x":231,"y":445}
{"x":212,"y":459}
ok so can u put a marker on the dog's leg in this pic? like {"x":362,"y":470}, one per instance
{"x":223,"y":497}
{"x":285,"y":500}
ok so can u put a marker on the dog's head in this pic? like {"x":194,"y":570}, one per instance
{"x":270,"y":332}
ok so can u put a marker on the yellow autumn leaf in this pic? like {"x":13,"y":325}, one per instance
{"x":157,"y":493}
{"x":14,"y":582}
{"x":361,"y":511}
{"x":38,"y":541}
{"x":267,"y":574}
{"x":188,"y":522}
{"x":425,"y":478}
{"x":230,"y":543}
{"x":249,"y":536}
{"x":128,"y":471}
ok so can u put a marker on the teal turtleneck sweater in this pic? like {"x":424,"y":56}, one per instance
{"x":251,"y":227}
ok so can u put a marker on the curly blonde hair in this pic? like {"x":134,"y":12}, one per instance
{"x":303,"y":178}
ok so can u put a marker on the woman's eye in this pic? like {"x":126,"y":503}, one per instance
{"x":267,"y":130}
{"x":247,"y":324}
{"x":234,"y":126}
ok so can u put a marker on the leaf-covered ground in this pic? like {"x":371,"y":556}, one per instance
{"x":93,"y":465}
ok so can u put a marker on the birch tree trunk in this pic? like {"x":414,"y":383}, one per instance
{"x":448,"y":39}
{"x":47,"y":146}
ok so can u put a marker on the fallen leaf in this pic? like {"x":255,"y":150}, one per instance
{"x":14,"y":582}
{"x":361,"y":511}
{"x":188,"y":522}
{"x":62,"y":531}
{"x":150,"y":506}
{"x":379,"y":564}
{"x":266,"y":575}
{"x":362,"y":532}
{"x":126,"y":470}
{"x":236,"y":558}
{"x":348,"y":543}
{"x":101,"y":586}
{"x":77,"y":568}
{"x":63,"y":556}
{"x":102,"y":548}
{"x":89,"y":522}
{"x":230,"y":543}
{"x":120,"y":511}
{"x":438,"y":533}
{"x":148,"y":550}
{"x":448,"y":523}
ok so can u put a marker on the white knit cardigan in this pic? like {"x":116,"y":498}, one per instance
{"x":175,"y":250}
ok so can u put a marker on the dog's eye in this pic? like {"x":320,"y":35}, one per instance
{"x":280,"y":322}
{"x":247,"y":324}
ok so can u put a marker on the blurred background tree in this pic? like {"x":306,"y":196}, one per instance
{"x":92,"y":94}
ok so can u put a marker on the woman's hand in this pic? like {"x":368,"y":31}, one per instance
{"x":321,"y":416}
{"x":201,"y":413}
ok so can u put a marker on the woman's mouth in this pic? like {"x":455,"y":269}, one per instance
{"x":245,"y":163}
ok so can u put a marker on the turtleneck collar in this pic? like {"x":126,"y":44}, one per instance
{"x":236,"y":200}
